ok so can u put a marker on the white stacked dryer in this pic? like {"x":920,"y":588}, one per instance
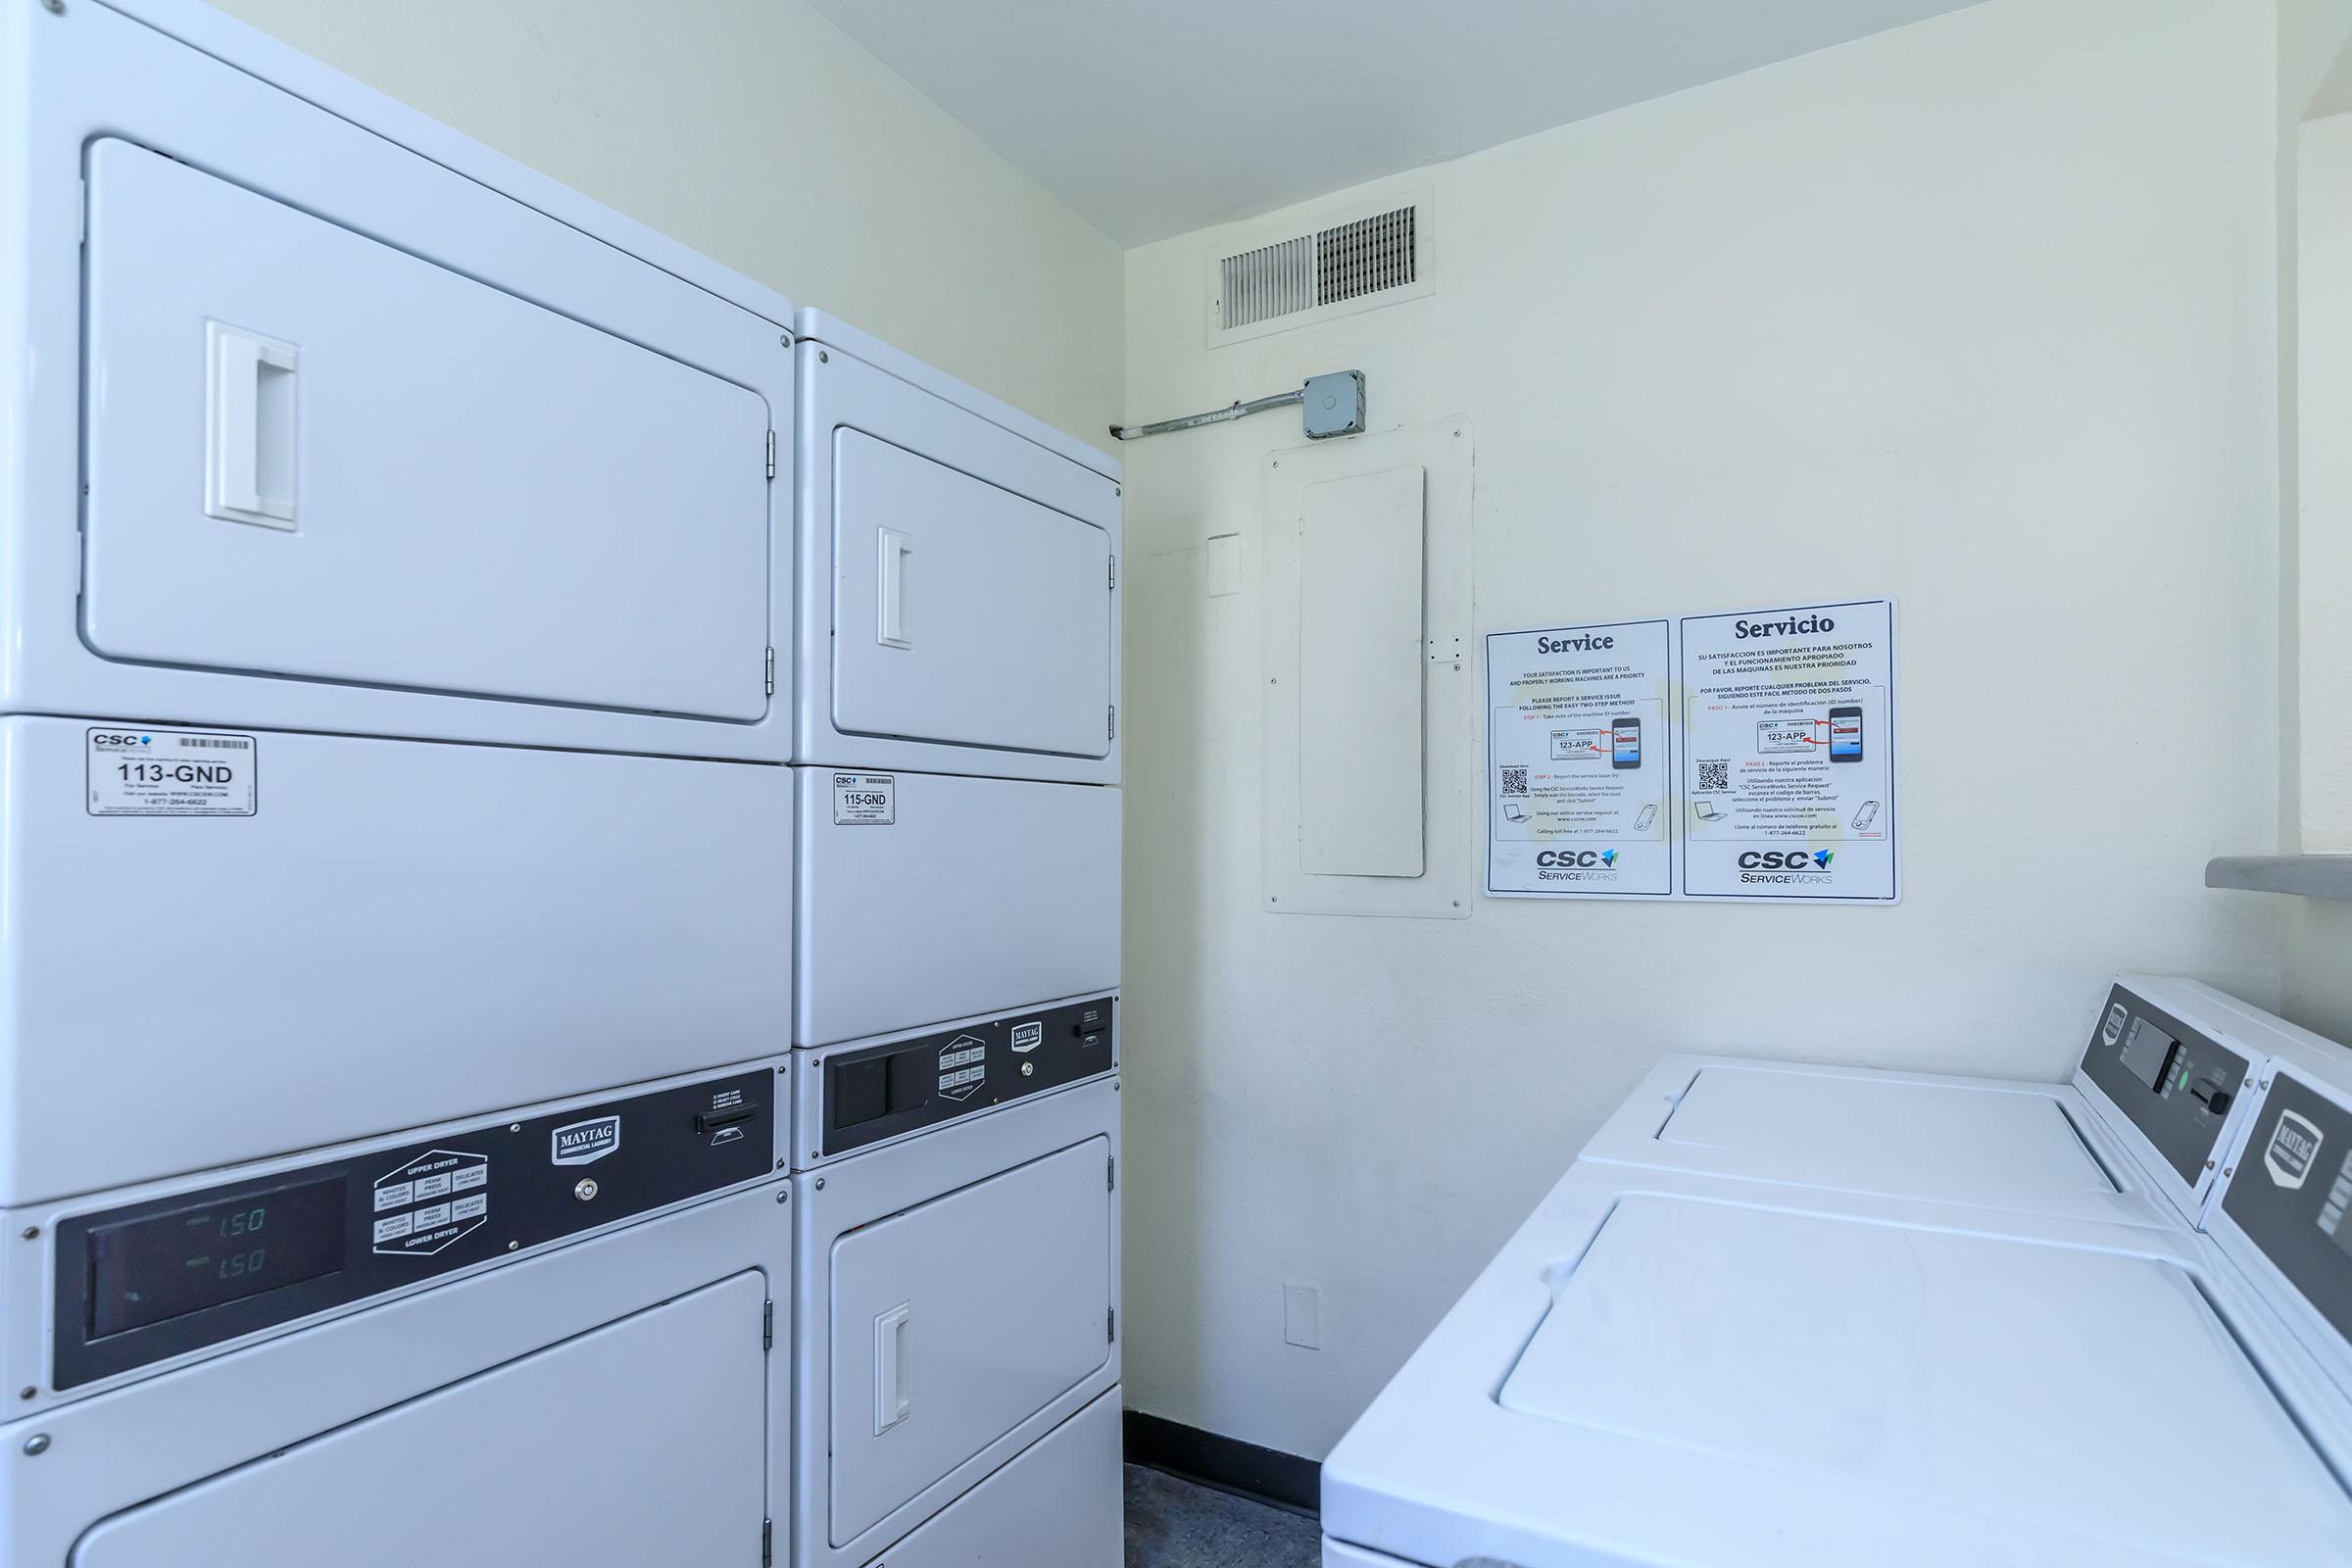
{"x":955,"y":974}
{"x":392,"y":580}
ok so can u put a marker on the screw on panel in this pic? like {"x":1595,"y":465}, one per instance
{"x":26,"y":1392}
{"x":514,"y":1126}
{"x":823,"y":358}
{"x":821,"y":1184}
{"x":784,"y":1195}
{"x":779,"y":1166}
{"x":31,"y":1232}
{"x":511,"y":1245}
{"x":38,"y":1444}
{"x":56,"y":8}
{"x":584,"y":1189}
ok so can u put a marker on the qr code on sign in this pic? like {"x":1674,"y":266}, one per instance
{"x":1716,"y":774}
{"x":1514,"y":781}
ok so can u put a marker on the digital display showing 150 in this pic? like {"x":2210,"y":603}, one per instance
{"x":166,"y":1266}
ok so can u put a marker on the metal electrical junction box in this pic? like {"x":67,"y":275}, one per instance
{"x":1335,"y":404}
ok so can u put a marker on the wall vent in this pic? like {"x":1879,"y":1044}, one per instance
{"x":1362,"y":259}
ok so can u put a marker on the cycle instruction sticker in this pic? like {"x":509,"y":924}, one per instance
{"x":1580,"y":762}
{"x":1788,"y":754}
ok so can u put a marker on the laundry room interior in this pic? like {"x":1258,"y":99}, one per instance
{"x":649,"y":651}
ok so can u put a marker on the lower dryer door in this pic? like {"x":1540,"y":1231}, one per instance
{"x":957,"y":1319}
{"x":641,"y":1441}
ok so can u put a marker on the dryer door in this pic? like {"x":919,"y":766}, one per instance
{"x":956,"y":1320}
{"x":313,"y":454}
{"x":963,"y":612}
{"x":644,"y":1442}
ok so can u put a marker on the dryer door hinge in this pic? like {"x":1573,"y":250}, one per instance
{"x":1114,"y":722}
{"x":772,"y":454}
{"x":771,"y":672}
{"x":767,"y":1542}
{"x":1110,"y":1327}
{"x":768,"y":1326}
{"x":1114,"y":574}
{"x":1114,"y":1183}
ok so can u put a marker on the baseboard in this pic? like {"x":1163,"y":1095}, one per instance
{"x":1269,"y":1475}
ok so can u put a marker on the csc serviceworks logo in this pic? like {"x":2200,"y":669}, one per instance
{"x":1786,"y":867}
{"x":1575,"y":865}
{"x":112,"y":741}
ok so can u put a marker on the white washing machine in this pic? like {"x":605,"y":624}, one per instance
{"x":956,"y":1325}
{"x":1675,"y":1367}
{"x":390,"y":570}
{"x":543,"y":1338}
{"x":2133,"y":1136}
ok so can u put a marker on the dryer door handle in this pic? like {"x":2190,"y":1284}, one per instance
{"x":893,"y":1395}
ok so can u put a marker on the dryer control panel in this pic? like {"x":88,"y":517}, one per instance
{"x":881,"y":1091}
{"x":144,"y":1282}
{"x":2176,"y":1083}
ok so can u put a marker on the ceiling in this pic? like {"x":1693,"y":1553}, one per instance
{"x":1153,"y":117}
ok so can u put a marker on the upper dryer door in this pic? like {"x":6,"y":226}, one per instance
{"x":313,"y":454}
{"x":963,"y":612}
{"x":959,"y":610}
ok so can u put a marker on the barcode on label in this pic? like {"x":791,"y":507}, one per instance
{"x":1514,"y":781}
{"x":216,"y":742}
{"x":1715,"y":774}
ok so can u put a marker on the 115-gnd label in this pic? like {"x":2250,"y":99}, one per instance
{"x":170,"y":773}
{"x":865,"y":800}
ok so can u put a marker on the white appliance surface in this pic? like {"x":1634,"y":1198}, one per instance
{"x":1665,"y":1367}
{"x":975,"y":895}
{"x":435,"y":1483}
{"x":382,"y":433}
{"x":401,"y":933}
{"x":2036,"y":1146}
{"x":606,"y":1403}
{"x":958,"y":1294}
{"x":1057,"y":1503}
{"x":959,"y":610}
{"x":479,"y":495}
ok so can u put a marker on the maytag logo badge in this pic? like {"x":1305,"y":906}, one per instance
{"x":584,"y":1142}
{"x":2293,"y":1147}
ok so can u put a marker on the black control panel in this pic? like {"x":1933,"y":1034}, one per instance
{"x":2175,"y":1083}
{"x":2290,"y":1191}
{"x":149,"y":1281}
{"x":887,"y":1090}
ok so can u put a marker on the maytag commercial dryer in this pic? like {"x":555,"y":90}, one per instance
{"x":390,"y":570}
{"x":541,"y":1338}
{"x":956,"y":1327}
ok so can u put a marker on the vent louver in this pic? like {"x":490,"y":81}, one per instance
{"x":1343,"y":262}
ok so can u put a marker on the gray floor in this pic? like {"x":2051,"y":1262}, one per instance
{"x":1173,"y":1522}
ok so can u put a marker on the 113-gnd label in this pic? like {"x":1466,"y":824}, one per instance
{"x":170,"y":773}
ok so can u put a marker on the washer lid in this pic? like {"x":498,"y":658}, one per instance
{"x":1995,"y":1134}
{"x":2084,"y":1391}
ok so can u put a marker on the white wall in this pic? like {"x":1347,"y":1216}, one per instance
{"x":1979,"y":313}
{"x":758,"y":132}
{"x":2318,"y":980}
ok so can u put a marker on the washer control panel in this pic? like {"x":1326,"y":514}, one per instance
{"x":144,"y":1282}
{"x":887,"y":1090}
{"x":2290,"y":1191}
{"x":2176,"y":1083}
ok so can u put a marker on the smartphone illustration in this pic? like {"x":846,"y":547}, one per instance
{"x":1649,"y":814}
{"x":1625,"y":743}
{"x":1867,"y":815}
{"x":1845,"y":734}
